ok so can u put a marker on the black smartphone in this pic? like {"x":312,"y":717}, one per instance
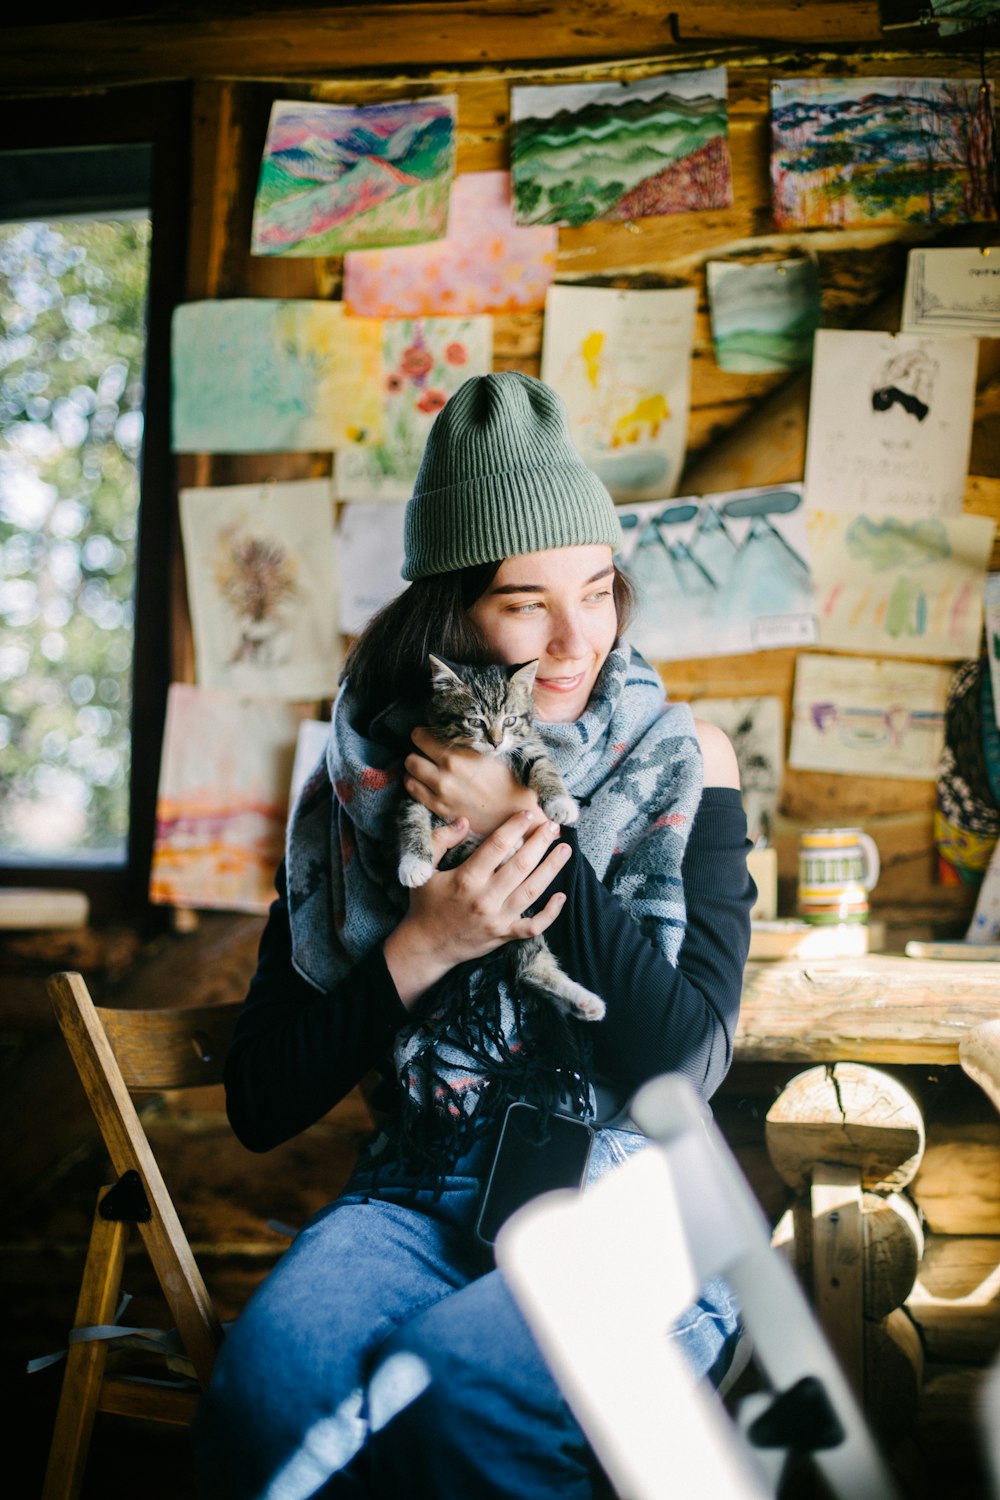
{"x":535,"y":1153}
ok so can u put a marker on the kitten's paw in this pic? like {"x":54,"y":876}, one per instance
{"x":414,"y":871}
{"x":561,"y":809}
{"x":587,"y":1006}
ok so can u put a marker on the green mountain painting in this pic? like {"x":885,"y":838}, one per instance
{"x":620,"y":150}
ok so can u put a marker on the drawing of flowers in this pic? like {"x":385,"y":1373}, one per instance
{"x":256,"y":579}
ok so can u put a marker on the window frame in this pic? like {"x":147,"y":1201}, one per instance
{"x":160,"y":117}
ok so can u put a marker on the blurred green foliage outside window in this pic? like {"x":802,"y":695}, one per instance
{"x":72,"y":349}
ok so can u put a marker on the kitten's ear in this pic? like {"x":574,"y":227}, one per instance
{"x":524,"y":675}
{"x":442,"y":674}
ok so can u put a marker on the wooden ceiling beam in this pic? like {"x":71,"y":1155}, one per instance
{"x":351,"y":38}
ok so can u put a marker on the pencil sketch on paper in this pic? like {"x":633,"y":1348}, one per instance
{"x":261,"y":579}
{"x":881,"y":151}
{"x":903,"y":588}
{"x":621,"y":150}
{"x":954,"y":291}
{"x":222,"y":800}
{"x":720,"y":576}
{"x":755,"y":727}
{"x":890,"y":422}
{"x":335,"y":177}
{"x":868,"y":718}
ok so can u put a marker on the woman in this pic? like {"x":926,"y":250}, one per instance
{"x":384,"y":1356}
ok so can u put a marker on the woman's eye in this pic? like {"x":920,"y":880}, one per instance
{"x":599,"y":595}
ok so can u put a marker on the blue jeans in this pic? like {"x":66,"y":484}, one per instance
{"x":385,"y":1357}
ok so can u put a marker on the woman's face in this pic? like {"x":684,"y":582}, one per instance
{"x":557,"y":606}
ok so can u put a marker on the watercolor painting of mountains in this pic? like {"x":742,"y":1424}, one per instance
{"x":764,"y":315}
{"x":620,"y":150}
{"x":881,"y":151}
{"x":337,"y":177}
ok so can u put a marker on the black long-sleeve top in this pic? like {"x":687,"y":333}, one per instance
{"x":297,"y":1052}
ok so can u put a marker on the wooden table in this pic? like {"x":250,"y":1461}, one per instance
{"x":879,"y":1009}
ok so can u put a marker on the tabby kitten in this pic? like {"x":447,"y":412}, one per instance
{"x":491,"y":709}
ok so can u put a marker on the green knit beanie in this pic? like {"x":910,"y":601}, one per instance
{"x":500,"y":477}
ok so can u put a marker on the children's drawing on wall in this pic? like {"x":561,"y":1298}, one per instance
{"x":424,"y":360}
{"x":910,"y":18}
{"x":764,"y":316}
{"x":337,"y":177}
{"x":223,"y":799}
{"x":254,"y":375}
{"x":720,"y":576}
{"x":628,"y":150}
{"x":861,"y":717}
{"x":890,"y":423}
{"x":756,"y":728}
{"x":485,"y":264}
{"x":370,"y":561}
{"x":952,"y":292}
{"x":261,"y":581}
{"x":881,"y":151}
{"x":901,"y":588}
{"x":621,"y":360}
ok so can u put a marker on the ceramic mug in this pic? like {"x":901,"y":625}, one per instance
{"x":837,"y":869}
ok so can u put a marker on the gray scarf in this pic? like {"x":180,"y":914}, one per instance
{"x":632,"y":761}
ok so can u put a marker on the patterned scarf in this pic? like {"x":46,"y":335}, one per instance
{"x":633,"y":763}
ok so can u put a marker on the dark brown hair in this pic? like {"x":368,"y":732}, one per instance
{"x":388,"y":661}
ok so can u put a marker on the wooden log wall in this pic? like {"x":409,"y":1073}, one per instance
{"x":744,"y":429}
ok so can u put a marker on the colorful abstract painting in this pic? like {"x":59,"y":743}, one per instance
{"x":485,"y":264}
{"x":338,"y":177}
{"x":859,"y":717}
{"x":261,"y":581}
{"x":252,"y":375}
{"x":720,"y":576}
{"x":897,"y":587}
{"x":763,"y":316}
{"x":585,"y":151}
{"x":881,"y":151}
{"x":223,"y":799}
{"x":954,"y":291}
{"x":890,"y":422}
{"x":621,"y":360}
{"x":424,"y":360}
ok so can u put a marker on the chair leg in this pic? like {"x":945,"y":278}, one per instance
{"x":85,"y":1362}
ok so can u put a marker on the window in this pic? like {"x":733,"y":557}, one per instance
{"x":90,"y":258}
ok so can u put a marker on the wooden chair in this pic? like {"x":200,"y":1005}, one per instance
{"x":118,"y":1053}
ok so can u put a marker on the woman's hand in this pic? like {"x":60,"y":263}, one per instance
{"x":469,"y":911}
{"x":459,"y":783}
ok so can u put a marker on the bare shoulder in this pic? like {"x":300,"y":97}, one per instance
{"x":718,"y":755}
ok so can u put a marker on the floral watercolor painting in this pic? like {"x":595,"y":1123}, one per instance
{"x":585,"y":151}
{"x":764,"y":316}
{"x":223,"y":799}
{"x":252,"y":375}
{"x":485,"y":264}
{"x":337,"y":177}
{"x":881,"y":151}
{"x":424,"y":361}
{"x":261,"y":577}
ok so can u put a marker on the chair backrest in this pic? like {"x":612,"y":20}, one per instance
{"x":601,"y":1277}
{"x":116,"y":1053}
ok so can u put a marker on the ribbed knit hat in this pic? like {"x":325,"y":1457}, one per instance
{"x":499,"y":477}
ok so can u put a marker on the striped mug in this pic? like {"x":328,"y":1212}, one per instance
{"x":837,"y":869}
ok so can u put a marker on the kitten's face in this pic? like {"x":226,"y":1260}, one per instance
{"x":488,"y":709}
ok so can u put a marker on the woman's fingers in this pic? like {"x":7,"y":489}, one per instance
{"x":447,"y":836}
{"x":529,"y":927}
